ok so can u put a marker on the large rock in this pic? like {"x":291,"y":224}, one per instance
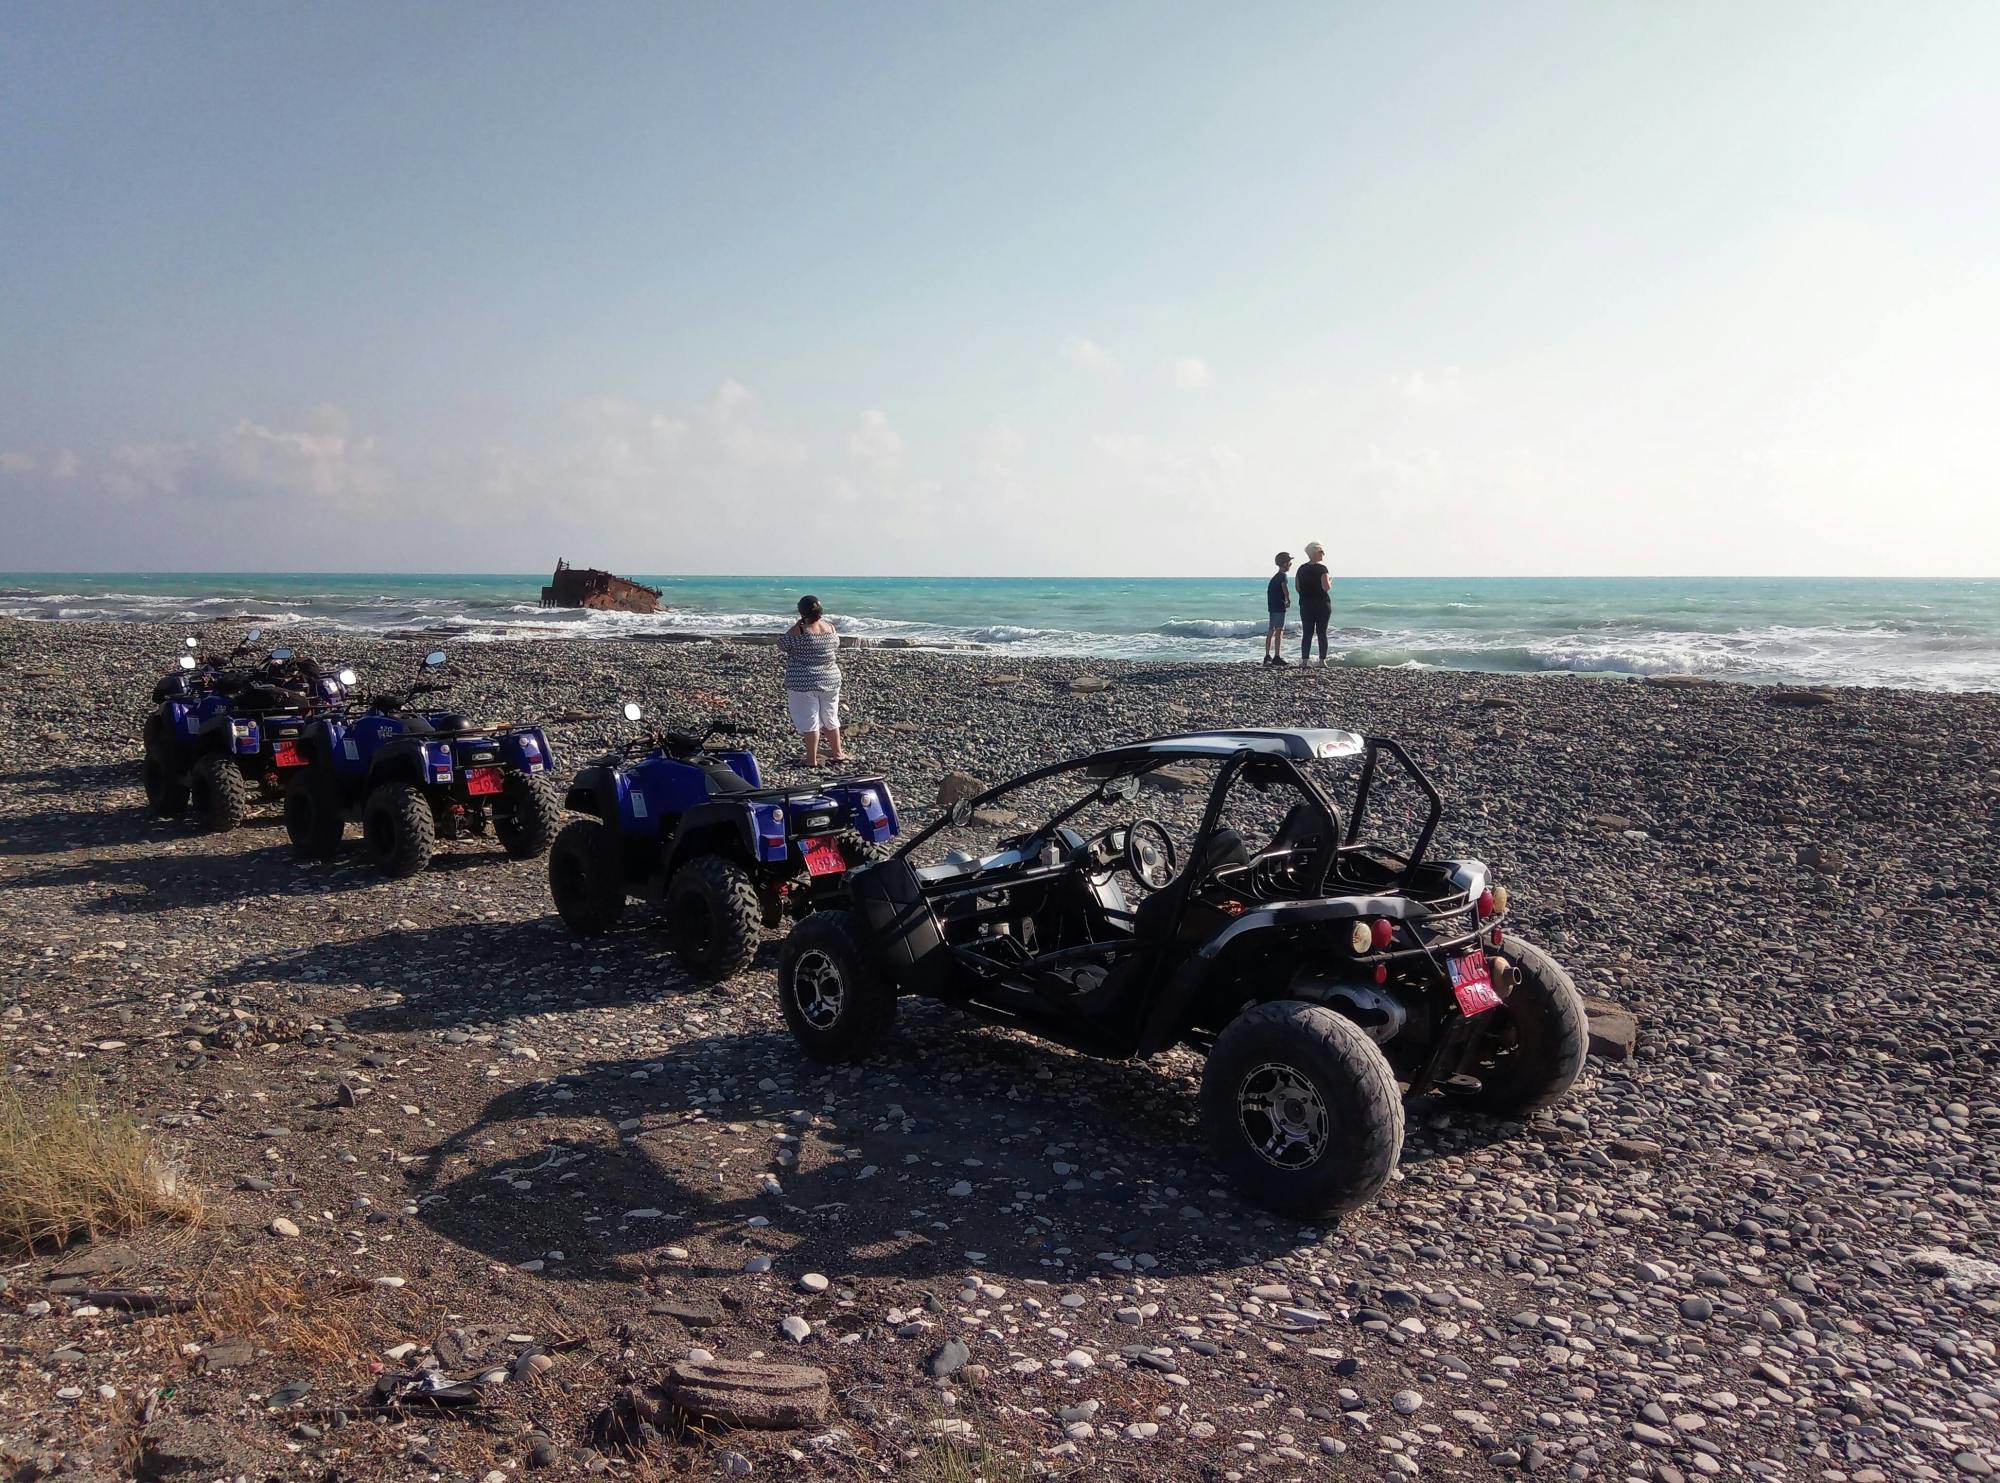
{"x":956,"y":785}
{"x":1088,"y":684}
{"x":1614,"y":1030}
{"x":747,"y":1393}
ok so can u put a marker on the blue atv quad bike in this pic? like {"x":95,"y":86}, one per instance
{"x":691,"y":828}
{"x":224,"y":729}
{"x":410,"y":777}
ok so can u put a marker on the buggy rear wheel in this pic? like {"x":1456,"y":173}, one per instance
{"x":837,"y":1005}
{"x":312,"y":818}
{"x":587,"y":877}
{"x":166,"y":795}
{"x":533,"y":813}
{"x":1535,"y":1049}
{"x":713,"y":917}
{"x":219,"y":794}
{"x":398,"y":833}
{"x":1302,"y":1110}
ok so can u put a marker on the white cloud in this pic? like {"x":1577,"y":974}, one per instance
{"x":1431,"y":388}
{"x":1091,"y":358}
{"x":874,"y":442}
{"x":1189,"y":372}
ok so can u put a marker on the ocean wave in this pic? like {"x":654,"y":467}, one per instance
{"x":1211,"y":628}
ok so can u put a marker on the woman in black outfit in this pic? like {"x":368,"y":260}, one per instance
{"x":1315,"y":602}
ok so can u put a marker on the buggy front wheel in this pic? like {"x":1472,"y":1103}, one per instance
{"x":837,"y":1005}
{"x":1537,"y":1042}
{"x":1302,"y":1110}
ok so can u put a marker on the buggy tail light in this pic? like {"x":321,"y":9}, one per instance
{"x":1361,"y":939}
{"x":1500,"y":899}
{"x":1499,"y":938}
{"x":1381,"y":973}
{"x":1485,"y":905}
{"x":1383,"y":933}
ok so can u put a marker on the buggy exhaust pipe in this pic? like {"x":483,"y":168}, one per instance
{"x":1506,"y":975}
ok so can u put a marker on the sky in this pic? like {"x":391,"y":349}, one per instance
{"x":1049,"y":289}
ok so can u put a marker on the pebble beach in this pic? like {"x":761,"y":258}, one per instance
{"x":1760,"y":1244}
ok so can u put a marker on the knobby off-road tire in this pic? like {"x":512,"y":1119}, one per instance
{"x":857,"y":851}
{"x":713,"y":917}
{"x":398,"y":833}
{"x":587,"y":877}
{"x":166,"y":795}
{"x":1302,"y":1110}
{"x":1539,"y":1040}
{"x":534,"y":814}
{"x":218,"y":793}
{"x":312,"y":817}
{"x":838,"y":1006}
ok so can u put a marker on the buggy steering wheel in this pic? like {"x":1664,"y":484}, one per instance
{"x":1149,"y":853}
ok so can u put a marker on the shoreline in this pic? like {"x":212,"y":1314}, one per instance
{"x":426,"y":1104}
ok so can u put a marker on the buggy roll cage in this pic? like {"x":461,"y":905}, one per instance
{"x":1139,"y":758}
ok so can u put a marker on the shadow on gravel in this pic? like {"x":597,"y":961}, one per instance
{"x":469,"y":973}
{"x":1103,"y":1164}
{"x":184,"y":879}
{"x":75,"y":779}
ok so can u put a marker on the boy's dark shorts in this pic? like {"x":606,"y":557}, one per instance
{"x":1278,"y":616}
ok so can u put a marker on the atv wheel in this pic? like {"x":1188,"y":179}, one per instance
{"x":312,"y":818}
{"x":712,"y":917}
{"x":837,"y":1005}
{"x":165,"y":794}
{"x":398,"y":833}
{"x":587,"y":878}
{"x":535,"y":811}
{"x":858,"y":852}
{"x":219,"y":794}
{"x":1540,"y":1037}
{"x":1302,"y":1110}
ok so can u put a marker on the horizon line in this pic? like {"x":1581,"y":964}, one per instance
{"x":1023,"y":576}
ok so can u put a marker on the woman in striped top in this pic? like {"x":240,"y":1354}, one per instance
{"x":812,"y":680}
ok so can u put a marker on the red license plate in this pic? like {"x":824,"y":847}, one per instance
{"x":1472,"y":983}
{"x":286,"y":754}
{"x":823,"y":857}
{"x":483,"y":780}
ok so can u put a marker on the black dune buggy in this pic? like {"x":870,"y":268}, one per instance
{"x":1207,"y":889}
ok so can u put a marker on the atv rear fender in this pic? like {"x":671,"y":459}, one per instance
{"x":595,"y":792}
{"x":712,"y":829}
{"x":407,"y":759}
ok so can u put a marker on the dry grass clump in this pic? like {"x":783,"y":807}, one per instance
{"x":70,"y":1168}
{"x":284,"y":1312}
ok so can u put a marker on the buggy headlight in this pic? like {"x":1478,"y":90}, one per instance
{"x":1361,"y":938}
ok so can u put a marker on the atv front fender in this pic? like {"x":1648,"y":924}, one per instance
{"x":595,"y":792}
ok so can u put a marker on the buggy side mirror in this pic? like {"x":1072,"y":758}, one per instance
{"x":187,"y":661}
{"x":1119,"y":789}
{"x":632,"y":711}
{"x":253,"y":635}
{"x":433,"y":659}
{"x":281,"y":654}
{"x":961,"y":812}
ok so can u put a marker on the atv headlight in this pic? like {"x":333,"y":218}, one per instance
{"x":1361,"y":939}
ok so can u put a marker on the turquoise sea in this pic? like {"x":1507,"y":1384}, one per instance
{"x":1939,"y":635}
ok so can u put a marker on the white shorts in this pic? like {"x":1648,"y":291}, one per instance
{"x":814,"y":710}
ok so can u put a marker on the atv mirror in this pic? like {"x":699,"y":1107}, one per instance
{"x":433,"y":659}
{"x":281,"y":654}
{"x":632,"y":711}
{"x":253,"y":635}
{"x":347,"y":677}
{"x":192,"y":642}
{"x":961,"y":812}
{"x":187,"y":661}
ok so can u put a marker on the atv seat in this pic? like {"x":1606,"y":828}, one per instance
{"x":723,"y":780}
